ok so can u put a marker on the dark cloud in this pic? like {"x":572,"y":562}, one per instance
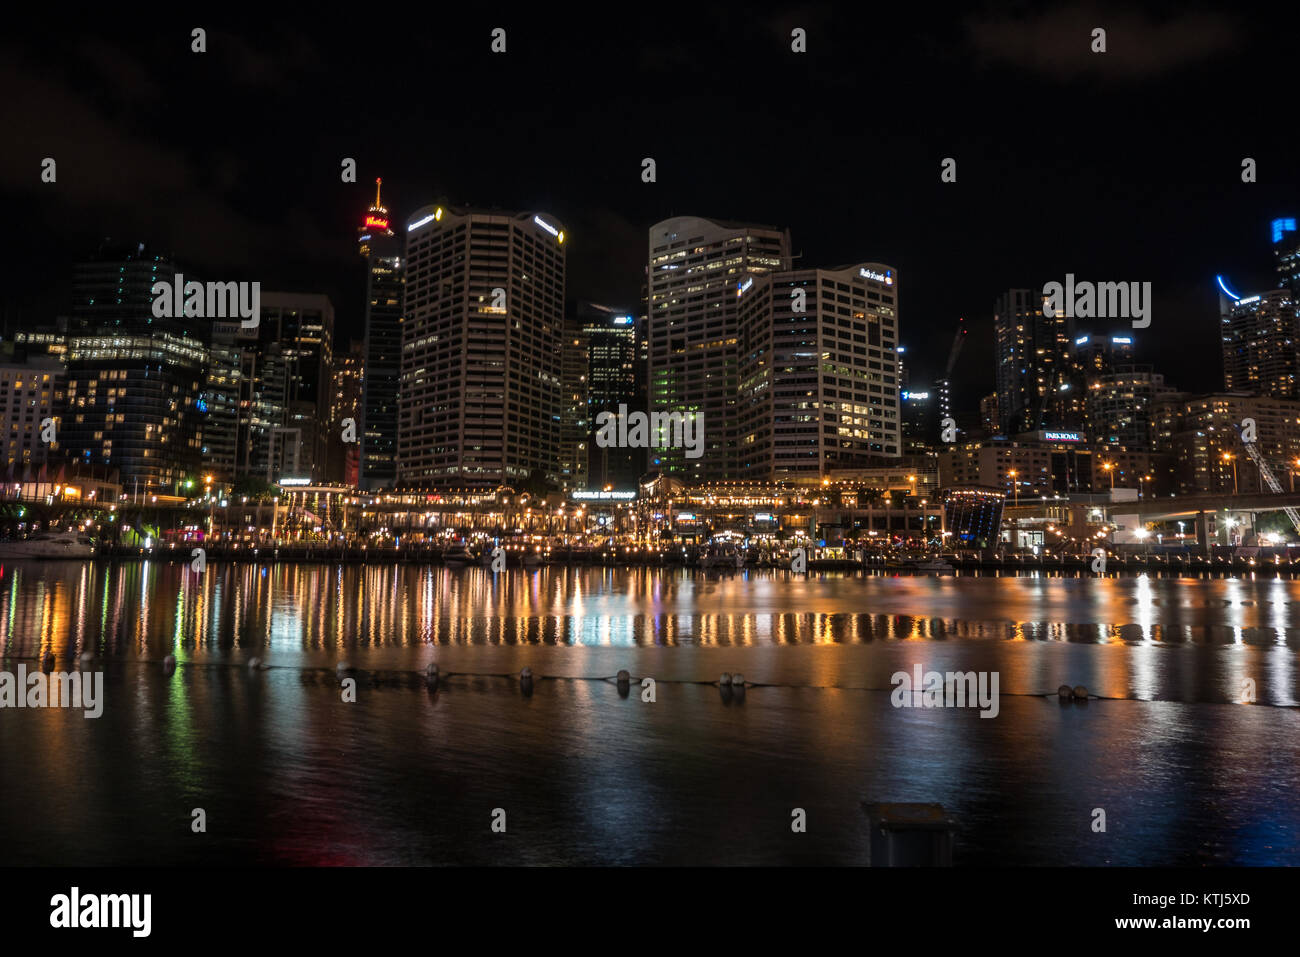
{"x":1058,"y":42}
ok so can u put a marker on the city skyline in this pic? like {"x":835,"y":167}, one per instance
{"x":236,"y":213}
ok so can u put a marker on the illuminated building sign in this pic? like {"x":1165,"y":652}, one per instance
{"x":376,"y":222}
{"x":887,"y":277}
{"x":764,"y":517}
{"x":295,"y":481}
{"x":685,"y":516}
{"x":557,"y":233}
{"x":740,"y":290}
{"x":913,"y":396}
{"x":603,"y":496}
{"x":1081,"y":340}
{"x":1121,"y":340}
{"x":1281,"y":226}
{"x":1061,"y":436}
{"x":622,"y":320}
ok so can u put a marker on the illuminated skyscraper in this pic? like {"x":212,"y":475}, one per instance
{"x":695,"y":270}
{"x":1033,"y":358}
{"x":818,"y":371}
{"x":1286,"y":255}
{"x":482,"y":350}
{"x":1259,"y":344}
{"x":135,"y":381}
{"x":385,"y":285}
{"x":612,"y":380}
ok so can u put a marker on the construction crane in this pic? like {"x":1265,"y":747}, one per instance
{"x":944,"y":383}
{"x":1269,"y":478}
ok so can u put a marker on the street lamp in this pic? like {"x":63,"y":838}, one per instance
{"x":1015,"y":486}
{"x":1110,"y":467}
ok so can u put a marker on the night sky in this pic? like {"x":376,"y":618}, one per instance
{"x":1117,"y":166}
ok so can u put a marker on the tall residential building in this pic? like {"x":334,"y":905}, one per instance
{"x":1199,"y":431}
{"x":696,"y":270}
{"x":385,"y":286}
{"x":1033,"y":357}
{"x":612,"y":381}
{"x":1091,"y":356}
{"x":990,"y":420}
{"x":818,"y":371}
{"x":480,"y":396}
{"x":1286,"y":255}
{"x":135,"y":381}
{"x":1260,"y":339}
{"x":1120,"y":406}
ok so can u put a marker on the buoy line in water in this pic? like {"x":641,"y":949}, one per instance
{"x":433,"y":677}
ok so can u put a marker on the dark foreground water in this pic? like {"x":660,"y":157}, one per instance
{"x":287,"y":772}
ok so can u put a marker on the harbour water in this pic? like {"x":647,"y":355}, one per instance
{"x":287,"y":772}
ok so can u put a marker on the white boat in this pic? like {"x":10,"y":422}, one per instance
{"x":56,"y":545}
{"x":935,"y":566}
{"x":457,"y":556}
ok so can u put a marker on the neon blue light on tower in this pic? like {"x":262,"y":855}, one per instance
{"x":1224,"y":286}
{"x":1281,"y":227}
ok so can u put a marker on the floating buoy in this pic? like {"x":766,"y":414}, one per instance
{"x":87,"y":657}
{"x":1080,"y":691}
{"x":1064,"y":691}
{"x":254,"y":663}
{"x":169,"y":664}
{"x":344,"y":666}
{"x":725,"y":680}
{"x":431,"y":675}
{"x":526,"y":680}
{"x":47,"y":662}
{"x":738,"y":681}
{"x":624,"y":677}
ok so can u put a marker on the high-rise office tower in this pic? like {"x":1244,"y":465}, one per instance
{"x":295,"y":341}
{"x":135,"y":381}
{"x":612,"y":382}
{"x":480,"y":397}
{"x":227,"y":400}
{"x":696,"y":270}
{"x":1259,"y":336}
{"x":346,"y":404}
{"x":385,"y":284}
{"x":575,"y":431}
{"x":818,"y":371}
{"x":1032,"y":360}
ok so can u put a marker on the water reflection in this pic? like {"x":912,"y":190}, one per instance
{"x":1188,"y":773}
{"x":144,"y":609}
